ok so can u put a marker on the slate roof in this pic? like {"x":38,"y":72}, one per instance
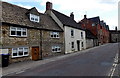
{"x":66,"y":20}
{"x":90,"y":35}
{"x":95,"y":19}
{"x":17,"y":15}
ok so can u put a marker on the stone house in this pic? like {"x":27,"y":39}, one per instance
{"x":74,"y":35}
{"x":114,"y":36}
{"x":27,"y":34}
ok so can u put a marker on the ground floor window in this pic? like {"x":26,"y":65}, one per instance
{"x":82,"y":44}
{"x":72,"y":45}
{"x":56,"y":49}
{"x":20,"y":52}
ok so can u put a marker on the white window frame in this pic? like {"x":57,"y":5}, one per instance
{"x":18,"y":49}
{"x":21,"y":30}
{"x":58,"y":47}
{"x":55,"y":33}
{"x":34,"y":17}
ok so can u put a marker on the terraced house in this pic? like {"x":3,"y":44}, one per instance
{"x":74,"y":35}
{"x":28,"y":34}
{"x":98,"y":28}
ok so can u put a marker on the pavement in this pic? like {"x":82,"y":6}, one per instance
{"x":21,"y":66}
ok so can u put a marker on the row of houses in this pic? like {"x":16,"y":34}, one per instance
{"x":27,"y":34}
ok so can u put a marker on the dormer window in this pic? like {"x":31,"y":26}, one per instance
{"x":34,"y":18}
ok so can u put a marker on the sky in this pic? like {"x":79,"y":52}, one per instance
{"x":107,"y":10}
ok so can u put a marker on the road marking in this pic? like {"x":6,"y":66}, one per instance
{"x":20,"y":72}
{"x":113,"y":66}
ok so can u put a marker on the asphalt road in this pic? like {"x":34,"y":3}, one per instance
{"x":96,"y":62}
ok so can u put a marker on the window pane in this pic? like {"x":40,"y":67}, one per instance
{"x":13,"y":29}
{"x":18,"y":33}
{"x":13,"y":32}
{"x":25,"y":53}
{"x":14,"y":50}
{"x":18,"y":29}
{"x":20,"y":51}
{"x":14,"y":54}
{"x":54,"y":36}
{"x":24,"y":33}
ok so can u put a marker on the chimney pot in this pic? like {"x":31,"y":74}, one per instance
{"x":72,"y":15}
{"x":48,"y":5}
{"x":85,"y":16}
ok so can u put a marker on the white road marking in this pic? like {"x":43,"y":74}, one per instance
{"x":113,"y":66}
{"x":20,"y":72}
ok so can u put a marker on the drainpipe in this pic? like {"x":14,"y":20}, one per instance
{"x":41,"y":44}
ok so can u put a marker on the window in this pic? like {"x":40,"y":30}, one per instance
{"x":72,"y":33}
{"x":82,"y":35}
{"x":72,"y":44}
{"x":34,"y":18}
{"x":56,"y":49}
{"x":93,"y":24}
{"x":20,"y":52}
{"x":82,"y":44}
{"x":17,"y":31}
{"x":54,"y":34}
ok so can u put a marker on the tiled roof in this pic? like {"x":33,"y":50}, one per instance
{"x":17,"y":15}
{"x":90,"y":35}
{"x":95,"y":19}
{"x":66,"y":20}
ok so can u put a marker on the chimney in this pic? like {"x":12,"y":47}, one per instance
{"x":115,"y":28}
{"x":48,"y":6}
{"x":85,"y":16}
{"x":72,"y":15}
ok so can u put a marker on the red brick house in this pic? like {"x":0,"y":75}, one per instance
{"x":97,"y":27}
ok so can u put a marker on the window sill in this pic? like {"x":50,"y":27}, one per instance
{"x":18,"y":36}
{"x":19,"y":56}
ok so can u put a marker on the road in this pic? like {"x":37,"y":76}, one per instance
{"x":95,"y":62}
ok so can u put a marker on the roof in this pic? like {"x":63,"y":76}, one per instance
{"x":66,"y":20}
{"x":90,"y":35}
{"x":17,"y":15}
{"x":95,"y":19}
{"x":114,"y":31}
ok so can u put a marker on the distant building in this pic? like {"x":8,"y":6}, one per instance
{"x":114,"y":36}
{"x":98,"y":29}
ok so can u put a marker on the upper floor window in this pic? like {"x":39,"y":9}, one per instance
{"x":93,"y":24}
{"x":20,"y":52}
{"x":72,"y":33}
{"x":56,"y":49}
{"x":82,"y":35}
{"x":34,"y":18}
{"x":18,"y":31}
{"x":82,"y":44}
{"x":54,"y":34}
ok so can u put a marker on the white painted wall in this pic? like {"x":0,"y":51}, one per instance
{"x":69,"y":39}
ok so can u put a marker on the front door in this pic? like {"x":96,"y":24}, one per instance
{"x":78,"y":45}
{"x":35,"y":53}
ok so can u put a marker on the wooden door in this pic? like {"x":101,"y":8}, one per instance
{"x":35,"y":53}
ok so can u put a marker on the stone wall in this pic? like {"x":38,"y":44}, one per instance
{"x":9,"y":42}
{"x":48,"y":42}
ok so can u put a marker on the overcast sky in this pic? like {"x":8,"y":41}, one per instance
{"x":107,"y":10}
